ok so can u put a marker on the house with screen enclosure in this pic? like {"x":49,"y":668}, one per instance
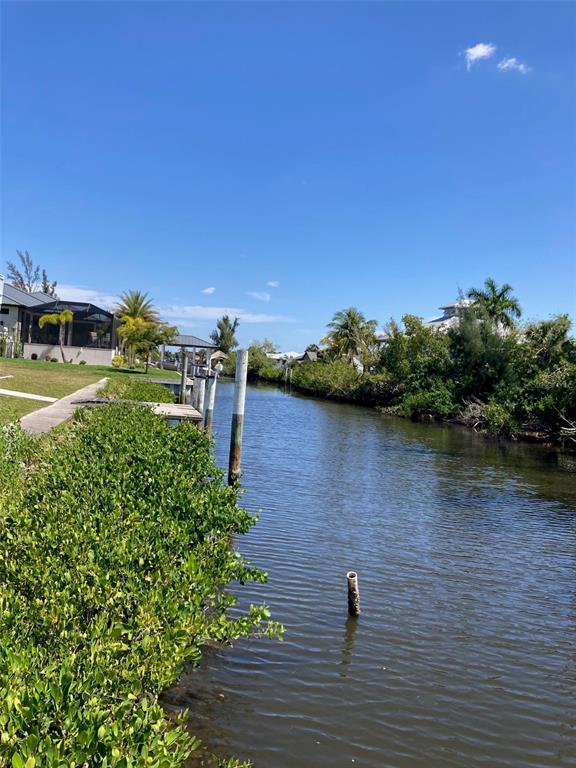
{"x":90,"y":337}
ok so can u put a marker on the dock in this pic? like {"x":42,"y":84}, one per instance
{"x":176,"y":412}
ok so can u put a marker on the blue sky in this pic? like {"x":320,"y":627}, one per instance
{"x":295,"y":158}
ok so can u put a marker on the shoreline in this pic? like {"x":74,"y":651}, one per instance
{"x":526,"y":437}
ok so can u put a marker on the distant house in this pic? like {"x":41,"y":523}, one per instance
{"x":90,"y":336}
{"x":282,"y":359}
{"x":451,"y":315}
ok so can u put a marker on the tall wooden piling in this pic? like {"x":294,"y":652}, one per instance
{"x":209,"y":413}
{"x":238,"y":416}
{"x":201,"y":394}
{"x":183,"y":377}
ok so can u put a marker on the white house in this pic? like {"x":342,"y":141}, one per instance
{"x":451,"y":314}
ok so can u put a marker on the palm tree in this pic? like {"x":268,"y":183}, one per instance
{"x":142,"y":337}
{"x":224,"y":334}
{"x":496,"y":303}
{"x":351,"y":335}
{"x":60,"y":319}
{"x":135,"y":304}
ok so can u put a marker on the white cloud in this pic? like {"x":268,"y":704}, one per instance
{"x":478,"y":52}
{"x":260,"y":295}
{"x":208,"y":291}
{"x":77,"y":293}
{"x":511,"y":64}
{"x":197,"y":312}
{"x":273,"y":284}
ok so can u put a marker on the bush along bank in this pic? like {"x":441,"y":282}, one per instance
{"x":520,"y":383}
{"x":129,"y":388}
{"x":115,"y":548}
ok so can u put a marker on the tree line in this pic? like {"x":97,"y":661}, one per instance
{"x":487,"y":370}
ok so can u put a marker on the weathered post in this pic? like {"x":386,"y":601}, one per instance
{"x":201,"y":394}
{"x":238,"y":416}
{"x":209,"y":414}
{"x":353,"y":593}
{"x":183,"y":377}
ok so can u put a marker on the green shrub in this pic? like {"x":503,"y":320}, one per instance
{"x":114,"y":554}
{"x":499,"y":420}
{"x":436,"y":401}
{"x":334,"y":379}
{"x":118,"y":361}
{"x":54,"y":360}
{"x":130,"y":388}
{"x":81,"y":362}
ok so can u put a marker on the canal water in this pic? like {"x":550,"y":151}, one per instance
{"x":465,"y":652}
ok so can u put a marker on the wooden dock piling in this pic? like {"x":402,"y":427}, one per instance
{"x":238,"y":417}
{"x":209,"y":414}
{"x":183,"y":377}
{"x":201,"y":384}
{"x":353,"y":593}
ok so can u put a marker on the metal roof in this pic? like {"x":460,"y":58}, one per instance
{"x":41,"y":296}
{"x":81,"y":310}
{"x":185,"y":340}
{"x":13,"y":295}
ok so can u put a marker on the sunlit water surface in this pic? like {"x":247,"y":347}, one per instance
{"x":465,"y":652}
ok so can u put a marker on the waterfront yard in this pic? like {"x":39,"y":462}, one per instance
{"x":12,"y":408}
{"x":53,"y":380}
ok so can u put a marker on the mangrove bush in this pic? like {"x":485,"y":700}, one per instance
{"x":115,"y":551}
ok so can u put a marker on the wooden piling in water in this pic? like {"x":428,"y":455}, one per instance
{"x":182,"y":397}
{"x":353,"y":593}
{"x":201,"y":383}
{"x":234,"y":462}
{"x":209,"y":414}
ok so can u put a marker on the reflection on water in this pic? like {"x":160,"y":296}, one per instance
{"x":465,"y":652}
{"x":348,"y":644}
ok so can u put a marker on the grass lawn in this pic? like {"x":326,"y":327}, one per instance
{"x":12,"y":408}
{"x":54,"y":380}
{"x":60,"y":379}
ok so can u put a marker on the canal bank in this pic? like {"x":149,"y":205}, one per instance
{"x":464,"y":654}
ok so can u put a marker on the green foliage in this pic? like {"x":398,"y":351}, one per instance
{"x":333,"y":379}
{"x":142,"y":337}
{"x":483,"y":357}
{"x":484,"y":371}
{"x":114,"y":553}
{"x":436,"y":400}
{"x":496,"y":304}
{"x":414,"y":354}
{"x":118,"y":361}
{"x":260,"y":366}
{"x":351,"y":336}
{"x":135,"y":304}
{"x":224,"y":335}
{"x":129,"y":388}
{"x":499,"y":420}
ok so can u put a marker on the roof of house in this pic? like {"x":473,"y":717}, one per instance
{"x":81,"y":310}
{"x":458,"y":304}
{"x":20,"y":298}
{"x":186,"y":340}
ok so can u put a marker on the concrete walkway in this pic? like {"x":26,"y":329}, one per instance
{"x":46,"y":418}
{"x":27,"y":395}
